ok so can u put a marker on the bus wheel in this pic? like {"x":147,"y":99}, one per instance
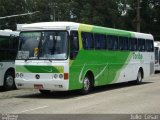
{"x":87,"y":85}
{"x":9,"y":83}
{"x":45,"y":92}
{"x":139,"y":77}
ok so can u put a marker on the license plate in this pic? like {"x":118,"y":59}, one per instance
{"x":38,"y":87}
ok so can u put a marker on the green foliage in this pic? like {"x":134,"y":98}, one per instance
{"x":119,"y":14}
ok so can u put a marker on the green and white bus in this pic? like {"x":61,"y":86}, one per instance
{"x":8,"y":50}
{"x":62,"y":56}
{"x":157,"y":55}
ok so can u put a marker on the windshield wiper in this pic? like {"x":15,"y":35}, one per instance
{"x":26,"y":60}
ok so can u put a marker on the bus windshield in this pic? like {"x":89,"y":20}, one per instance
{"x":43,"y":45}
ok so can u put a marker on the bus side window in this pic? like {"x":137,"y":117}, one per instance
{"x":149,"y":45}
{"x":121,"y":43}
{"x":129,"y":44}
{"x":103,"y":41}
{"x":87,"y":39}
{"x":115,"y":43}
{"x":74,"y":44}
{"x":99,"y":41}
{"x":133,"y":42}
{"x":126,"y":43}
{"x":112,"y":42}
{"x":141,"y":45}
{"x":109,"y":42}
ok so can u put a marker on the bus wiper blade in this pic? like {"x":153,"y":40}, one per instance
{"x":26,"y":60}
{"x":50,"y":60}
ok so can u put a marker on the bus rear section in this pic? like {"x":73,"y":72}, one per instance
{"x":42,"y":61}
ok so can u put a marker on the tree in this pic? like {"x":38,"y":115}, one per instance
{"x":103,"y":13}
{"x":119,"y":14}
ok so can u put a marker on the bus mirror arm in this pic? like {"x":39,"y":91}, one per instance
{"x":50,"y":60}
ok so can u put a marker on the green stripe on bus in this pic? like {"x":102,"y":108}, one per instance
{"x":40,"y":69}
{"x":110,"y":31}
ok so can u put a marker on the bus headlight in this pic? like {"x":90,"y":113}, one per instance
{"x":21,"y":75}
{"x":55,"y":76}
{"x":17,"y":75}
{"x":61,"y":76}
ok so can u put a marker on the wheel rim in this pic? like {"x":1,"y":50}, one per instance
{"x":86,"y":84}
{"x":9,"y":81}
{"x":139,"y":77}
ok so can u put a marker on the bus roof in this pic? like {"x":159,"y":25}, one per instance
{"x":50,"y":26}
{"x":83,"y":27}
{"x":8,"y":33}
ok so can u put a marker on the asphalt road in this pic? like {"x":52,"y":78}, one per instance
{"x":112,"y":99}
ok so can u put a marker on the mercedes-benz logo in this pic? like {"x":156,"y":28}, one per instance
{"x":37,"y":76}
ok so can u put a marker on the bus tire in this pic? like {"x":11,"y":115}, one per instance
{"x":87,"y":85}
{"x":139,"y":77}
{"x":9,"y":83}
{"x":45,"y":92}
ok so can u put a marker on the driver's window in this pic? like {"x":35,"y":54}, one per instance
{"x":74,"y":44}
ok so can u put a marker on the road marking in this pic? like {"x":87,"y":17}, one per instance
{"x":33,"y":109}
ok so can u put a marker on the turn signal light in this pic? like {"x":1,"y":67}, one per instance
{"x":65,"y":76}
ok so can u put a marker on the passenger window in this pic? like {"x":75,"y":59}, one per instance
{"x":123,"y":43}
{"x":126,"y":43}
{"x":129,"y":44}
{"x":133,"y":42}
{"x":149,"y":46}
{"x":74,"y":44}
{"x":141,"y":45}
{"x":112,"y":42}
{"x":87,"y":39}
{"x":99,"y":41}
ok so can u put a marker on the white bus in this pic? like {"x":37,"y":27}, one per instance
{"x":61,"y":56}
{"x":157,"y":55}
{"x":8,"y":50}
